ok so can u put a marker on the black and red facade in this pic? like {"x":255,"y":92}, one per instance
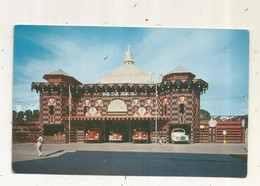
{"x":172,"y":103}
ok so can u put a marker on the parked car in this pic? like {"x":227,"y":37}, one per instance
{"x":140,"y":136}
{"x":178,"y":135}
{"x":115,"y":136}
{"x":94,"y":135}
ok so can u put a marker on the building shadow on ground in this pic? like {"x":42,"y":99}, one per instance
{"x":56,"y":152}
{"x":136,"y":164}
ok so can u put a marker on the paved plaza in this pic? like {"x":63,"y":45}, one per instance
{"x":28,"y":151}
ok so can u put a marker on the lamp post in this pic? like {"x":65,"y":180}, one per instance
{"x":156,"y":109}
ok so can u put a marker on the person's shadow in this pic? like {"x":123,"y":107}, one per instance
{"x":59,"y":151}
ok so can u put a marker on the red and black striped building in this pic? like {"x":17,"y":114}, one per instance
{"x":174,"y":102}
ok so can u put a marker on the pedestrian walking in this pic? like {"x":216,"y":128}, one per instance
{"x":39,"y":145}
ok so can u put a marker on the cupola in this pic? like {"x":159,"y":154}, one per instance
{"x":129,"y":58}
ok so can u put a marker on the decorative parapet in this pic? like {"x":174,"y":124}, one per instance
{"x":196,"y":84}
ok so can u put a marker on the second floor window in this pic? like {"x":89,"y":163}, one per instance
{"x":51,"y":110}
{"x":181,"y":108}
{"x":164,"y":110}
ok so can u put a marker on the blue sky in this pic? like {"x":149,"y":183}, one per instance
{"x":220,"y":57}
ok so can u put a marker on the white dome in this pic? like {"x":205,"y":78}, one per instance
{"x":128,"y":69}
{"x":127,"y":73}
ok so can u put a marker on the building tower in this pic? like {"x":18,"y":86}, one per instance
{"x":182,"y":103}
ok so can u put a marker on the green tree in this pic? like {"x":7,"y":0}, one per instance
{"x":20,"y":116}
{"x":28,"y":114}
{"x":204,"y":115}
{"x":35,"y":115}
{"x":14,"y":115}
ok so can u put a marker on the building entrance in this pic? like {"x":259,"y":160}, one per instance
{"x":212,"y":134}
{"x":124,"y":128}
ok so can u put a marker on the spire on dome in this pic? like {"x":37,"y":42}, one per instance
{"x":129,"y":58}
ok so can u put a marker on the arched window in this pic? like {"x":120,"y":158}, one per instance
{"x":136,"y":102}
{"x":117,"y":105}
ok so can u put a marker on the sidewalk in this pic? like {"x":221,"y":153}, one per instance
{"x":23,"y":152}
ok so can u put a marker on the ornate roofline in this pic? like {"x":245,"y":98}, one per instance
{"x":196,"y":84}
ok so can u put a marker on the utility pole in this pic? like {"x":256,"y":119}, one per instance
{"x":156,"y":108}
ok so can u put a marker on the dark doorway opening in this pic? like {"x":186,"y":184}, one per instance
{"x":116,"y":126}
{"x":50,"y":130}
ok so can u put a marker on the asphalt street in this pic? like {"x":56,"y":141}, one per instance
{"x":136,"y":164}
{"x":134,"y":160}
